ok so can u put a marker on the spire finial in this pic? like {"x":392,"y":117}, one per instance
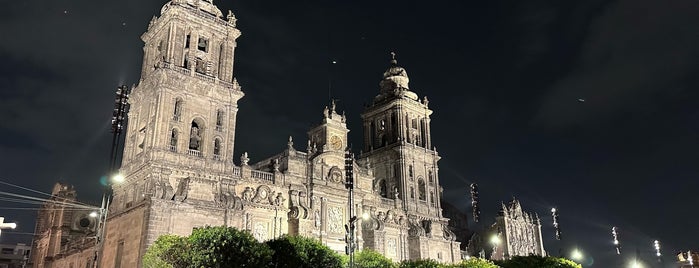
{"x":393,"y":58}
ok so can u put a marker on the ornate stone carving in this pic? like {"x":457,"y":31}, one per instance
{"x":335,"y":220}
{"x":182,"y":190}
{"x":264,"y":196}
{"x":391,"y":248}
{"x":415,"y":227}
{"x":335,"y":175}
{"x":260,"y":232}
{"x":248,"y":194}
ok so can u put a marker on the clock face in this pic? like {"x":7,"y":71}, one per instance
{"x":335,"y":143}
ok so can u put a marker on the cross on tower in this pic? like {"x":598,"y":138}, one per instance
{"x":4,"y":225}
{"x":393,"y":55}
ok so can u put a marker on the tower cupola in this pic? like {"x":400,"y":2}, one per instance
{"x":395,"y":82}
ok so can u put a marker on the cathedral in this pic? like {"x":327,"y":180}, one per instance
{"x":180,"y":172}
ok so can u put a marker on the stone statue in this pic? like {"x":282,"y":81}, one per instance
{"x":247,"y":194}
{"x":332,"y":105}
{"x":244,"y":159}
{"x":194,"y":138}
{"x":326,"y":112}
{"x":279,"y":200}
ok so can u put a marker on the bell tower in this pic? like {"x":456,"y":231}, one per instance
{"x":397,"y":143}
{"x":181,"y":127}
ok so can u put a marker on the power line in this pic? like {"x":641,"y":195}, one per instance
{"x":39,"y":201}
{"x":35,"y":191}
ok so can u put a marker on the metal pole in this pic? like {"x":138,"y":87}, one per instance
{"x":118,"y":120}
{"x":349,"y":184}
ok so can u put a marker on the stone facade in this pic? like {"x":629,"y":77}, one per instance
{"x":519,"y":233}
{"x":65,"y":233}
{"x":180,"y":173}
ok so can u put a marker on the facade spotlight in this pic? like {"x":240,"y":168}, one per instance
{"x":118,"y":178}
{"x":365,"y":216}
{"x":495,"y":240}
{"x":93,"y":214}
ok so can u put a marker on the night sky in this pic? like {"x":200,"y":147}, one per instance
{"x":588,"y":106}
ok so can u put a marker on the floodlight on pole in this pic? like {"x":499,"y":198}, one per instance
{"x":556,"y":226}
{"x":475,"y":202}
{"x":615,"y":235}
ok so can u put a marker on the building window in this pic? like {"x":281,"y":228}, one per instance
{"x":432,"y":198}
{"x":217,"y":149}
{"x":187,"y":41}
{"x":219,"y":120}
{"x":177,"y":112}
{"x":195,"y":137}
{"x":412,"y":192}
{"x":422,"y":189}
{"x":203,"y":44}
{"x":430,"y":177}
{"x":410,"y":171}
{"x":119,"y":253}
{"x":383,"y":190}
{"x":173,"y":140}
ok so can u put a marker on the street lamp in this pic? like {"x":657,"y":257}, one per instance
{"x":635,"y":264}
{"x":576,"y":255}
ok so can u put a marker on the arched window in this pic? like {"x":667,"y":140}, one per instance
{"x":430,"y":177}
{"x":195,"y":137}
{"x":217,"y":148}
{"x":422,"y":189}
{"x":173,"y":140}
{"x":383,"y":190}
{"x":177,"y":112}
{"x":219,"y":120}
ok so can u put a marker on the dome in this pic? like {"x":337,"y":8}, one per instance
{"x":394,"y":78}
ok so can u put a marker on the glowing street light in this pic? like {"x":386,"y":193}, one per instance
{"x":576,"y":255}
{"x":635,"y":264}
{"x":656,"y":245}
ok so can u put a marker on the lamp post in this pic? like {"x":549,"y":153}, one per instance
{"x":349,"y":184}
{"x":118,"y":121}
{"x":656,"y":246}
{"x":475,"y":202}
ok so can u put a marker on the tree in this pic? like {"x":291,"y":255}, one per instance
{"x":167,"y":251}
{"x":474,"y":263}
{"x":423,"y":263}
{"x":227,"y":247}
{"x":371,"y":259}
{"x":538,"y":261}
{"x":301,"y":252}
